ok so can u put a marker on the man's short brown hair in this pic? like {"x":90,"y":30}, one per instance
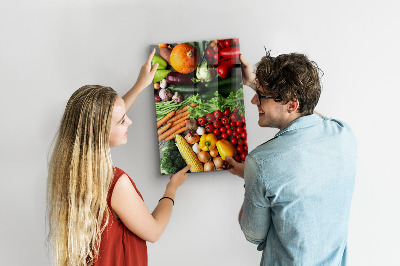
{"x":290,"y":77}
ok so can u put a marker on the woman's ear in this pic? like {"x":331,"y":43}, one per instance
{"x":293,"y":105}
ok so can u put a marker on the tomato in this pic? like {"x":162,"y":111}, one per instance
{"x":221,"y":44}
{"x":239,"y":148}
{"x":237,"y":158}
{"x":216,"y":56}
{"x":224,"y":135}
{"x":217,"y":123}
{"x":235,"y":41}
{"x":216,"y":132}
{"x":240,"y":142}
{"x":228,"y":43}
{"x":239,"y":129}
{"x":235,"y":134}
{"x":234,"y":141}
{"x":201,"y":120}
{"x":239,"y":124}
{"x":210,"y":52}
{"x":227,"y":111}
{"x":217,"y":114}
{"x":234,"y":117}
{"x":244,"y":128}
{"x":223,"y":129}
{"x":245,"y":147}
{"x":243,"y":155}
{"x":235,"y":110}
{"x":215,"y":48}
{"x":210,"y":117}
{"x":244,"y":135}
{"x":242,"y":117}
{"x":225,"y":120}
{"x":233,"y":128}
{"x":209,"y":127}
{"x":229,"y":131}
{"x":232,"y":124}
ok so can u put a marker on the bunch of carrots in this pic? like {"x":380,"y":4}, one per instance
{"x":175,"y":123}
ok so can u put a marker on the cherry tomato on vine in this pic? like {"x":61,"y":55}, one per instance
{"x":209,"y":127}
{"x":239,"y":129}
{"x":239,"y":123}
{"x":234,"y":141}
{"x":216,"y":56}
{"x":235,"y":41}
{"x":210,"y":52}
{"x":228,"y":43}
{"x":224,"y":135}
{"x":244,"y":135}
{"x":217,"y":123}
{"x":237,"y":158}
{"x":223,"y":129}
{"x":215,"y":48}
{"x":227,"y":111}
{"x":239,"y":148}
{"x":218,"y":114}
{"x":210,"y":117}
{"x":225,"y":120}
{"x":240,"y":142}
{"x":229,"y":131}
{"x":234,"y":117}
{"x":232,"y":124}
{"x":201,"y":120}
{"x":243,"y":155}
{"x":216,"y":132}
{"x":235,"y":134}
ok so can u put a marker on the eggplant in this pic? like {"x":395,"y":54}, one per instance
{"x":176,"y":78}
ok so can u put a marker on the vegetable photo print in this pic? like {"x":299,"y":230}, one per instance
{"x":198,"y":95}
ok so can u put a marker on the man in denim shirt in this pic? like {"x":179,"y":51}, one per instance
{"x":299,"y":184}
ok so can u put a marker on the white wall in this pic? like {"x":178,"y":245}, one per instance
{"x":50,"y":48}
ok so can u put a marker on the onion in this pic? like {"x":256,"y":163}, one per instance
{"x":214,"y":152}
{"x":209,"y":166}
{"x":156,"y":86}
{"x":192,"y":138}
{"x":203,"y":156}
{"x":218,"y":161}
{"x":191,"y":124}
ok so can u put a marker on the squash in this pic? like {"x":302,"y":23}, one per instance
{"x":184,"y":58}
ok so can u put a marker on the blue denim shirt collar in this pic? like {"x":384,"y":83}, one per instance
{"x":301,"y":122}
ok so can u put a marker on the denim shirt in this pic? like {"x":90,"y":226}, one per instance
{"x":298,"y":191}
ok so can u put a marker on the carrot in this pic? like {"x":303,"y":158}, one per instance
{"x":182,"y":110}
{"x":193,"y":105}
{"x":165,"y":118}
{"x":185,"y":118}
{"x":179,"y":116}
{"x":177,"y":132}
{"x":164,"y":128}
{"x":171,"y":131}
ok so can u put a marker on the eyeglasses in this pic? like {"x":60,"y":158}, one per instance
{"x":276,"y":99}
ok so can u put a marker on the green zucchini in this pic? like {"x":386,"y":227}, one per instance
{"x":188,"y":89}
{"x":223,"y":82}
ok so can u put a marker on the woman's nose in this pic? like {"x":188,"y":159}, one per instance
{"x":129,"y":122}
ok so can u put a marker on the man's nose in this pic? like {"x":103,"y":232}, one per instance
{"x":254,"y":100}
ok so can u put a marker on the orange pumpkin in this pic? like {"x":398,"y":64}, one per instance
{"x":184,"y":58}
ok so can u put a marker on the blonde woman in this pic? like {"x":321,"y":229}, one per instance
{"x":96,"y":214}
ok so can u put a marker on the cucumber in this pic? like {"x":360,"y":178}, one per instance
{"x":223,"y":82}
{"x":189,"y":89}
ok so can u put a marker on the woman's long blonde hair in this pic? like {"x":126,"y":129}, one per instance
{"x":80,"y":174}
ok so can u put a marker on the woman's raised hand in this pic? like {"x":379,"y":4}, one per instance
{"x":146,"y":74}
{"x":179,"y":178}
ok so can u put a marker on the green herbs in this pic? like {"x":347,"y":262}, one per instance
{"x":171,"y":160}
{"x":218,"y":102}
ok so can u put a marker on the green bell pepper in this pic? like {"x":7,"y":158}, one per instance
{"x":160,"y":75}
{"x":162,"y":64}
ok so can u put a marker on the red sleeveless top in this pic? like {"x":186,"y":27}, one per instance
{"x":119,"y":246}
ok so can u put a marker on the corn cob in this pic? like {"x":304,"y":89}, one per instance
{"x":188,"y":154}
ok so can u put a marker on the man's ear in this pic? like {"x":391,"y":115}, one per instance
{"x":293,"y":105}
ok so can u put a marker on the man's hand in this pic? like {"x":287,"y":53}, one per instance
{"x":248,"y":76}
{"x":237,"y":168}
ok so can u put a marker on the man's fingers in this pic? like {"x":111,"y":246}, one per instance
{"x":230,"y":160}
{"x":244,"y":63}
{"x":184,"y":170}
